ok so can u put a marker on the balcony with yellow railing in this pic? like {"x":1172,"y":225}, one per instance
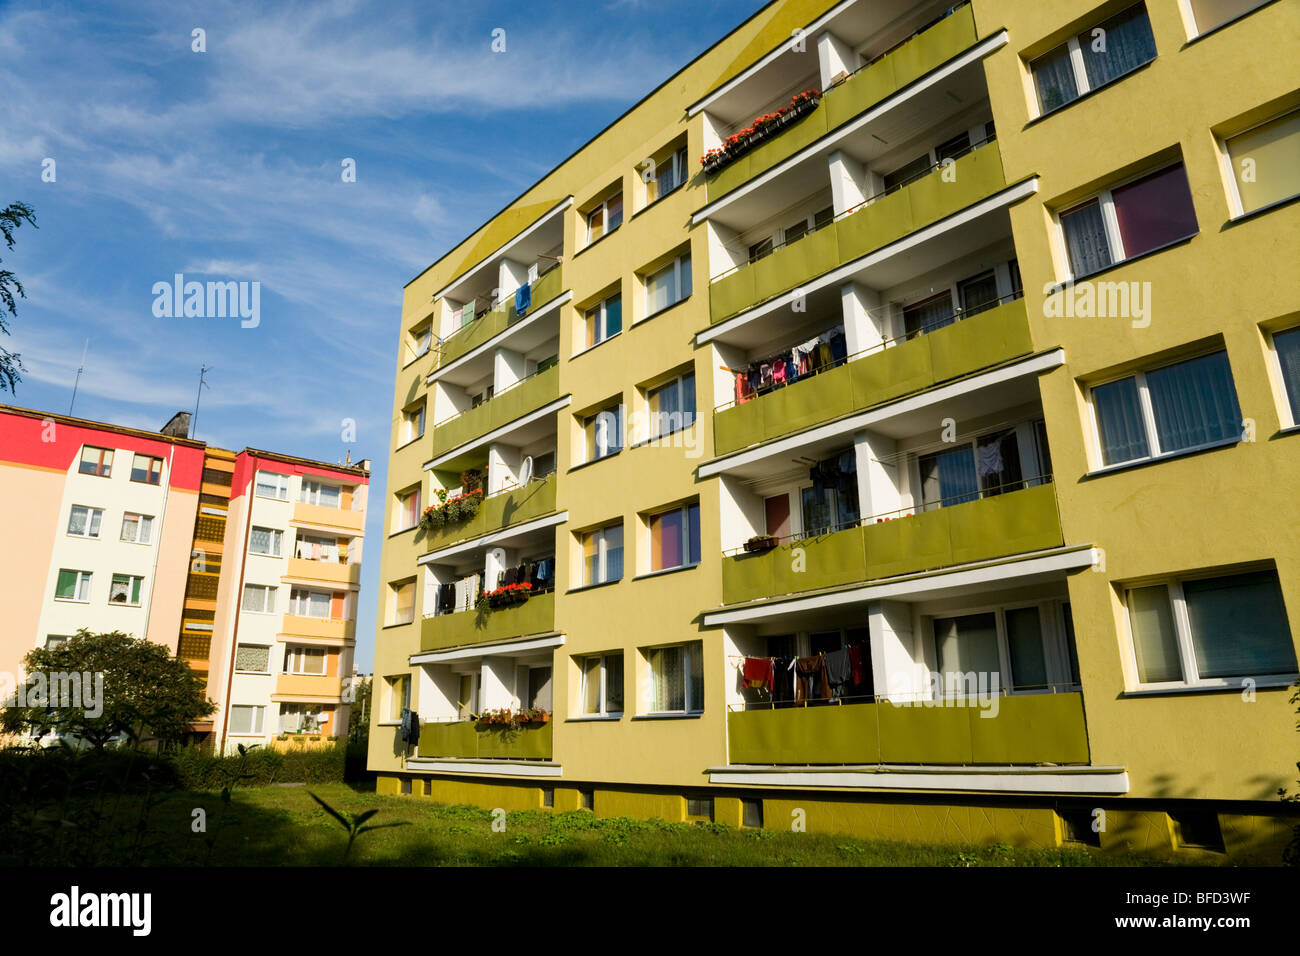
{"x":534,"y":616}
{"x":297,"y":625}
{"x":338,"y":573}
{"x":323,"y":516}
{"x":466,"y":739}
{"x":496,"y":320}
{"x":526,"y":396}
{"x":947,"y":188}
{"x":502,"y":510}
{"x":996,"y":526}
{"x":314,"y":687}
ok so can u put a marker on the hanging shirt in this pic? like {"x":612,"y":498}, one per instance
{"x":838,"y":671}
{"x":988,"y":459}
{"x":757,"y":673}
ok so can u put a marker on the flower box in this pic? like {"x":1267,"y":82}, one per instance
{"x":762,"y":128}
{"x":761,"y":542}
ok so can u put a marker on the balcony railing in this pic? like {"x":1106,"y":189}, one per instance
{"x":500,"y":511}
{"x":947,"y":188}
{"x":1000,"y":525}
{"x":927,"y":49}
{"x":534,"y":616}
{"x":974,"y":340}
{"x":1043,"y":728}
{"x":500,"y":317}
{"x":526,"y":395}
{"x":467,"y":740}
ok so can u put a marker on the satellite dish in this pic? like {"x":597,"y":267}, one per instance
{"x":526,"y":470}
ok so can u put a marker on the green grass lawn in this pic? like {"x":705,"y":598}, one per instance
{"x":283,"y":826}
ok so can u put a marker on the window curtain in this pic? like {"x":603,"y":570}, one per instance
{"x":669,"y":681}
{"x":261,"y":541}
{"x":933,"y":313}
{"x":949,"y":478}
{"x":1272,"y":155}
{"x":1155,"y":644}
{"x":1239,"y":626}
{"x":966,"y":645}
{"x":979,"y":293}
{"x":695,"y":659}
{"x":1085,"y":239}
{"x":1119,"y":422}
{"x":1194,"y":402}
{"x":1288,"y":356}
{"x":1154,"y":211}
{"x":1054,"y":77}
{"x":614,"y":684}
{"x":1025,"y":644}
{"x":666,"y":541}
{"x":1128,"y":44}
{"x":997,"y":463}
{"x":613,"y":316}
{"x":77,"y":521}
{"x":659,"y":290}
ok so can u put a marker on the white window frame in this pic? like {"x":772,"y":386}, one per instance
{"x":420,"y":340}
{"x":602,"y":555}
{"x":91,"y":512}
{"x":396,"y":705}
{"x":683,"y":510}
{"x":296,"y":655}
{"x":309,"y":492}
{"x":399,"y":519}
{"x":676,"y":161}
{"x":679,"y":265}
{"x":601,"y":309}
{"x":277,"y":542}
{"x":594,"y":454}
{"x":1285,"y":415}
{"x":1236,"y":208}
{"x":1078,"y":65}
{"x":1051,"y":623}
{"x":1195,"y":30}
{"x":143,"y":528}
{"x":656,"y":421}
{"x":270,"y":596}
{"x":281,"y":483}
{"x":301,"y":598}
{"x":692,"y":707}
{"x":243,"y":670}
{"x":1183,"y":635}
{"x":1154,"y":451}
{"x":413,"y":421}
{"x":83,"y":587}
{"x":131,"y":580}
{"x":603,"y":209}
{"x":258,"y":724}
{"x":394,"y":589}
{"x":603,"y":670}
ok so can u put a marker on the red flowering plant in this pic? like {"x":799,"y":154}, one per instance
{"x":451,"y":509}
{"x":758,"y":130}
{"x":507,"y":595}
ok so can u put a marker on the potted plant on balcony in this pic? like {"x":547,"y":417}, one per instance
{"x":761,"y":542}
{"x":508,"y":595}
{"x":473,"y":479}
{"x":451,"y":510}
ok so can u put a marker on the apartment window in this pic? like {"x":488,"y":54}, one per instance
{"x":1020,"y":648}
{"x":136,"y":528}
{"x":699,"y":807}
{"x":399,"y":695}
{"x":1077,"y":822}
{"x":751,"y":812}
{"x":253,"y":658}
{"x":602,"y":555}
{"x":246,"y":719}
{"x":603,"y":433}
{"x":96,"y":461}
{"x":259,"y":599}
{"x":271,"y":485}
{"x":265,"y":541}
{"x":1100,"y":55}
{"x":1198,"y":829}
{"x":672,"y":406}
{"x":307,"y":603}
{"x":1210,"y":631}
{"x":908,"y":172}
{"x":668,"y":175}
{"x":760,"y":249}
{"x":55,"y":640}
{"x":987,"y":466}
{"x":311,"y":547}
{"x":675,"y":538}
{"x":305,"y":660}
{"x":604,"y":321}
{"x":1128,"y":220}
{"x":408,"y":510}
{"x":403,"y":602}
{"x":1265,"y":163}
{"x":320,"y":493}
{"x":1209,"y":14}
{"x":1187,"y":405}
{"x":668,"y":286}
{"x":125,"y":589}
{"x":72,"y":586}
{"x":677,"y":678}
{"x":413,"y":421}
{"x":146,"y":469}
{"x":421,"y":339}
{"x":602,"y":685}
{"x":605,"y":218}
{"x":1286,"y":345}
{"x":84,"y":522}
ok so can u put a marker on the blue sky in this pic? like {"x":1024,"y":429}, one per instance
{"x":225,"y":165}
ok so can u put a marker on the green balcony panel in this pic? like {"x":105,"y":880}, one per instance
{"x":1013,"y":523}
{"x":875,"y":225}
{"x":794,"y":137}
{"x":812,"y":255}
{"x":1031,"y":728}
{"x":501,"y":318}
{"x":534,"y":616}
{"x":1028,"y":729}
{"x":500,"y":511}
{"x":823,"y":734}
{"x":528,"y":396}
{"x":891,"y":373}
{"x":981,"y":341}
{"x":467,"y":740}
{"x":803,"y":565}
{"x":945,"y":191}
{"x":741,"y":425}
{"x":903,"y":545}
{"x":915,"y":58}
{"x":817,"y":399}
{"x":732,"y":293}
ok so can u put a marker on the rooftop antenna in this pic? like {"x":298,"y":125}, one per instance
{"x":80,"y":368}
{"x":194,"y":421}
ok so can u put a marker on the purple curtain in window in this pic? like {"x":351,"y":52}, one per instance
{"x":1154,"y":211}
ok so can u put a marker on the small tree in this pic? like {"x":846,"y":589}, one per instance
{"x":11,"y":217}
{"x":359,"y":727}
{"x":147,"y":693}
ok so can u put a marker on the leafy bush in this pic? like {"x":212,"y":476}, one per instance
{"x":201,"y":770}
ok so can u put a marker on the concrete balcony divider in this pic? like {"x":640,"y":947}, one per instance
{"x":915,"y":58}
{"x":983,"y":340}
{"x":528,"y":396}
{"x":999,"y":526}
{"x":500,"y":511}
{"x":471,"y":336}
{"x":935,"y":196}
{"x":534,"y":616}
{"x":1028,"y":729}
{"x":468,"y":740}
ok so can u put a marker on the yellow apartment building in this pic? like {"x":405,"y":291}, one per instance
{"x":890,"y":426}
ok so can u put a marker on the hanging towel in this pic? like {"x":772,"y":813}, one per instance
{"x":857,"y":669}
{"x":778,"y":373}
{"x":758,"y":672}
{"x":523,"y":298}
{"x":812,"y":682}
